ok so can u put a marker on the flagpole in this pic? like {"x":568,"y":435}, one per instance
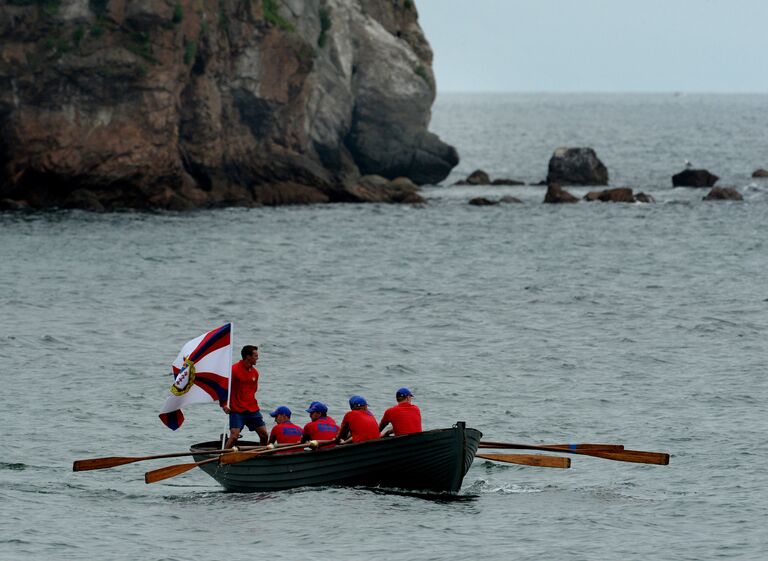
{"x":229,"y":380}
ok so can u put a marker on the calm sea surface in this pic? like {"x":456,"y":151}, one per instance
{"x":637,"y":324}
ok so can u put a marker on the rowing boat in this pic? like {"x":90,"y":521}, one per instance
{"x":435,"y":461}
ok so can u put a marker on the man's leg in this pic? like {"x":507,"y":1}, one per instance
{"x":263,"y":435}
{"x":234,"y":434}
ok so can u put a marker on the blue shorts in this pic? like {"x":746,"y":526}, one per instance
{"x":251,"y":420}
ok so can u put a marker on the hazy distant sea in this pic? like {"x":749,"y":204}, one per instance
{"x":638,"y":324}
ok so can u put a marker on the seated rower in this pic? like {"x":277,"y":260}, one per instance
{"x":405,"y":416}
{"x":321,"y":426}
{"x":284,"y":432}
{"x":359,"y":423}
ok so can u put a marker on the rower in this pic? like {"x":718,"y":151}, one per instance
{"x":321,"y":426}
{"x":284,"y":432}
{"x":405,"y":416}
{"x":358,"y":423}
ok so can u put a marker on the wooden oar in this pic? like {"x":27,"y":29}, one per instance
{"x":114,"y":461}
{"x":237,"y":457}
{"x":537,"y":460}
{"x":636,"y":456}
{"x":172,"y":471}
{"x":598,"y":447}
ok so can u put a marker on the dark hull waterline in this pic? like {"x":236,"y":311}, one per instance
{"x":434,"y":461}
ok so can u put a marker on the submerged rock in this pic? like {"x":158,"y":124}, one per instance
{"x":723,"y":194}
{"x":694,"y":178}
{"x":617,"y":195}
{"x":556,"y":194}
{"x":482,"y":201}
{"x":190,"y":104}
{"x":477,"y":177}
{"x":505,"y":181}
{"x":576,"y":166}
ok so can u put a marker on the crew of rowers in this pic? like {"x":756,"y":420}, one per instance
{"x":358,"y":425}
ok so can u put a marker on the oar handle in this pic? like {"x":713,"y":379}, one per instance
{"x":237,"y":457}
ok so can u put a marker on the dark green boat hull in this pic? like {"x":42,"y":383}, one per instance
{"x":434,"y":461}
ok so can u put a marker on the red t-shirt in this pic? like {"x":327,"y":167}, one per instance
{"x":325,"y":428}
{"x":405,"y":418}
{"x":362,"y":425}
{"x":286,"y":433}
{"x":242,"y":388}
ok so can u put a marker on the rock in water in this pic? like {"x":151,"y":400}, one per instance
{"x":723,"y":194}
{"x":694,"y":178}
{"x":617,"y":195}
{"x":556,"y":194}
{"x":576,"y":166}
{"x":176,"y":104}
{"x":482,"y":201}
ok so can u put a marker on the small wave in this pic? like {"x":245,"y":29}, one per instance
{"x":483,"y":487}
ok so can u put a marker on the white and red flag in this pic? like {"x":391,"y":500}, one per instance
{"x":202,"y":371}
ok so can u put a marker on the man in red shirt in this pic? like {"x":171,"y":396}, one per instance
{"x":405,"y":416}
{"x":359,"y":423}
{"x":285,"y":432}
{"x":321,"y":426}
{"x":242,"y":407}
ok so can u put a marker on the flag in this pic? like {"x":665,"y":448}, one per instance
{"x":201,"y":374}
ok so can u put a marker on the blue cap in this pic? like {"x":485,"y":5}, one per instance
{"x":317,"y":407}
{"x":282,"y":410}
{"x":404,"y":392}
{"x":357,"y":401}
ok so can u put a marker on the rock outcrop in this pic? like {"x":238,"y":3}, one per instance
{"x":477,"y":177}
{"x":618,"y":195}
{"x":480,"y":177}
{"x":723,"y":194}
{"x":556,"y":194}
{"x":760,"y":173}
{"x":505,"y":181}
{"x":694,"y":178}
{"x":576,"y":166}
{"x":482,"y":201}
{"x":185,"y":103}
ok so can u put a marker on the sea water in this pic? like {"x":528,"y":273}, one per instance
{"x":639,"y":324}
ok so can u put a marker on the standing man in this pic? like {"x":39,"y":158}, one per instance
{"x":405,"y":416}
{"x":243,"y":409}
{"x":359,"y":423}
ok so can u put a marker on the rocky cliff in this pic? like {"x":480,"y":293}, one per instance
{"x":192,"y":103}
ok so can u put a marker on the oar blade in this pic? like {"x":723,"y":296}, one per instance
{"x":535,"y":460}
{"x":102,"y":463}
{"x":167,"y":472}
{"x":634,"y":456}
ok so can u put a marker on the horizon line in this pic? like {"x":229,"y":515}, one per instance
{"x":603,"y":92}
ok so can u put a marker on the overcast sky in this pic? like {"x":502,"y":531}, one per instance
{"x":598,"y":45}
